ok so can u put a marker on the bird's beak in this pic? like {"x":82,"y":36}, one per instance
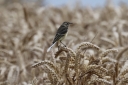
{"x":70,"y":23}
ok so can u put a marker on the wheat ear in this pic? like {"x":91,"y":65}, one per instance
{"x":100,"y":80}
{"x":49,"y":63}
{"x":107,"y":59}
{"x":124,"y":72}
{"x":52,"y":75}
{"x":121,"y":53}
{"x":85,"y":45}
{"x":105,"y":53}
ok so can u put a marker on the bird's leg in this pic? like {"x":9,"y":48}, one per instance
{"x":58,"y":46}
{"x":63,"y":44}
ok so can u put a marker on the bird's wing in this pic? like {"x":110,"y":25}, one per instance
{"x":57,"y":37}
{"x":60,"y":33}
{"x":62,"y":30}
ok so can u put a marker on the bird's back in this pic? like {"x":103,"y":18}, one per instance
{"x":60,"y":33}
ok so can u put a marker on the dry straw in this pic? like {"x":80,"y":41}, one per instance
{"x":26,"y":31}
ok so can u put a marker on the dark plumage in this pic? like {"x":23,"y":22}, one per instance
{"x":60,"y":34}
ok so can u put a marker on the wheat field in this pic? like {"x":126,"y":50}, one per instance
{"x":96,"y":51}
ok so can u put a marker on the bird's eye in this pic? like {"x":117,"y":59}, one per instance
{"x":66,"y":23}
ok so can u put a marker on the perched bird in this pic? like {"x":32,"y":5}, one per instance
{"x":60,"y":34}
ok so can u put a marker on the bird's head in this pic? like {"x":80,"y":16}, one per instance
{"x":66,"y":24}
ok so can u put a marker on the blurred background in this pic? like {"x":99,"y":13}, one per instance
{"x":27,"y":29}
{"x":92,"y":3}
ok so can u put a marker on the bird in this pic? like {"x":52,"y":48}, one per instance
{"x":60,"y":34}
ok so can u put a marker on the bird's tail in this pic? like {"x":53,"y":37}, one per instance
{"x":50,"y":47}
